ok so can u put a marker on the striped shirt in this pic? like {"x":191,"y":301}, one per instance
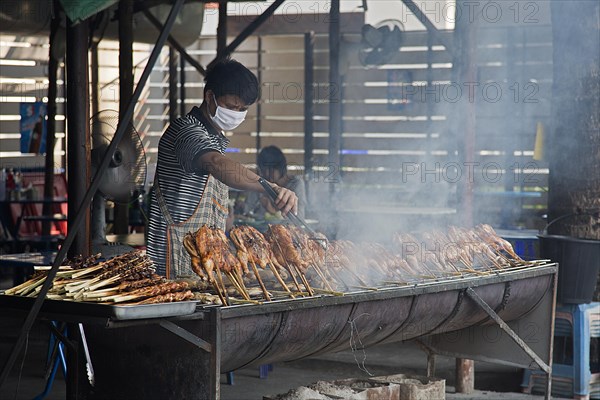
{"x":181,"y":183}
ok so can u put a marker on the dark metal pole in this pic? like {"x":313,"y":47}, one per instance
{"x":249,"y":30}
{"x":78,"y":157}
{"x":84,"y":207}
{"x":222,"y":30}
{"x":259,"y":103}
{"x":172,"y":85}
{"x":182,"y":108}
{"x":78,"y":151}
{"x":121,"y":215}
{"x":309,"y":109}
{"x":98,"y":224}
{"x":335,"y":100}
{"x":175,"y":44}
{"x":94,"y":79}
{"x":51,"y":123}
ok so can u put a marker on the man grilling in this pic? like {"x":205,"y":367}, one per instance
{"x":193,"y":174}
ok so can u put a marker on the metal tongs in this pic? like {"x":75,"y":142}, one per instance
{"x":296,"y":220}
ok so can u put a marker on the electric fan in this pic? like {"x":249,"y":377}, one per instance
{"x":380,"y":42}
{"x":124,"y":179}
{"x":126,"y":173}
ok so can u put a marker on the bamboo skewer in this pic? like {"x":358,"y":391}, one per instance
{"x":358,"y":278}
{"x":302,"y":277}
{"x":104,"y":283}
{"x":323,"y":278}
{"x":31,"y":288}
{"x":260,"y":282}
{"x":222,"y":285}
{"x":313,"y":263}
{"x":301,"y":294}
{"x":365,"y":287}
{"x":263,"y":262}
{"x":338,"y":278}
{"x":304,"y":281}
{"x":89,"y":270}
{"x":244,"y":301}
{"x":238,"y":236}
{"x":215,"y":286}
{"x":289,"y":270}
{"x":120,"y":298}
{"x":101,"y":282}
{"x":237,"y":286}
{"x":332,"y":292}
{"x":279,"y":279}
{"x":498,"y":252}
{"x":335,"y":276}
{"x":293,"y":272}
{"x":99,"y":294}
{"x":22,"y":286}
{"x":240,"y":279}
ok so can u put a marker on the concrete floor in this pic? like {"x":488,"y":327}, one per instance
{"x":492,"y":381}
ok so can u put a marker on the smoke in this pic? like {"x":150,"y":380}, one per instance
{"x":447,"y":136}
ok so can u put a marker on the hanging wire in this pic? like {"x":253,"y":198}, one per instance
{"x":354,"y":339}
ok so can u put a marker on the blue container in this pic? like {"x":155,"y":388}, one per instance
{"x":523,"y":241}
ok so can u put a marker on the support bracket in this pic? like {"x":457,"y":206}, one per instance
{"x":186,"y":335}
{"x":489,"y":311}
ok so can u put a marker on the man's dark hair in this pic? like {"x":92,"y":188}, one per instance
{"x":271,"y":158}
{"x":231,"y":77}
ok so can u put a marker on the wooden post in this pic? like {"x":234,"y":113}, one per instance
{"x":78,"y":128}
{"x":465,"y":376}
{"x":121,"y":222}
{"x":430,"y":365}
{"x":466,"y":63}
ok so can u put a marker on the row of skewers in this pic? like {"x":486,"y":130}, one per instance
{"x":129,"y":278}
{"x":303,"y":265}
{"x":212,"y":257}
{"x":284,"y":262}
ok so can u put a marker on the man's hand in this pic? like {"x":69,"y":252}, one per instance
{"x":267,"y":204}
{"x":286,"y":200}
{"x":237,"y":176}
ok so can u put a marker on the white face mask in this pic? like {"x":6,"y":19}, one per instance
{"x":227,"y":119}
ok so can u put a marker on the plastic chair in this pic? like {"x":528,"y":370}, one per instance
{"x":581,"y":322}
